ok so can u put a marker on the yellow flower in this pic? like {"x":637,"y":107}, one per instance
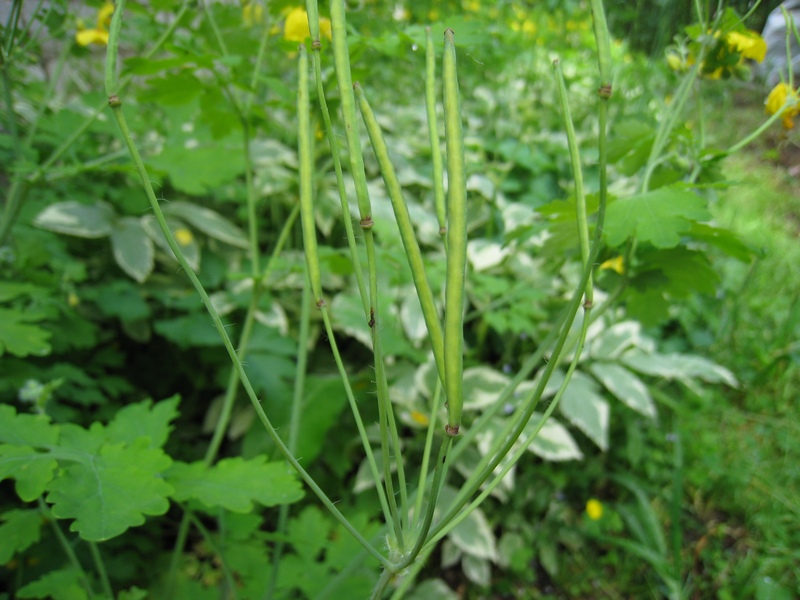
{"x":252,"y":14}
{"x":614,"y":264}
{"x":472,"y":5}
{"x":780,"y":96}
{"x":99,"y":35}
{"x":183,"y":236}
{"x":749,"y":44}
{"x":594,"y":509}
{"x":676,"y":62}
{"x":296,"y":27}
{"x":419,"y":418}
{"x":73,"y":300}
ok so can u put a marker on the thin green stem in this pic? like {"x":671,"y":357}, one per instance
{"x":123,"y":125}
{"x":66,"y":546}
{"x":337,"y":167}
{"x":100,"y":565}
{"x":426,"y":453}
{"x":215,"y":548}
{"x":294,"y":423}
{"x":177,"y":553}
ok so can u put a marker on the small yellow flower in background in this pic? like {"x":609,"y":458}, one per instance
{"x":614,"y":264}
{"x":252,"y":14}
{"x":780,"y":95}
{"x":73,"y":300}
{"x":472,"y":5}
{"x":99,"y":35}
{"x":594,"y":509}
{"x":419,"y":418}
{"x":296,"y":27}
{"x":433,"y":14}
{"x":183,"y":236}
{"x":749,"y":44}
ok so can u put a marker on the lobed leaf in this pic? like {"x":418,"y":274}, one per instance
{"x":32,"y":470}
{"x":146,"y":420}
{"x":658,"y":217}
{"x":235,"y":483}
{"x":20,"y":530}
{"x":113,"y":490}
{"x":64,"y":584}
{"x":20,"y":338}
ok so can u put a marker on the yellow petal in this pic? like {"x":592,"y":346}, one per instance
{"x":748,"y":44}
{"x":296,"y":27}
{"x":325,"y":28}
{"x":252,"y":14}
{"x":419,"y":418}
{"x":85,"y":37}
{"x":104,"y":15}
{"x":183,"y":236}
{"x":614,"y":264}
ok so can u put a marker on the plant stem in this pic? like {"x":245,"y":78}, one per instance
{"x":66,"y":546}
{"x":433,"y":132}
{"x":116,"y":106}
{"x":101,"y":570}
{"x":294,"y":422}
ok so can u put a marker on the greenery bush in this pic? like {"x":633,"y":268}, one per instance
{"x":586,"y":269}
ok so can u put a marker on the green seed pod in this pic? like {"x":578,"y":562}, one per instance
{"x":456,"y":241}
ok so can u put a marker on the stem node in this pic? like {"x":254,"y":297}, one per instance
{"x":114,"y":101}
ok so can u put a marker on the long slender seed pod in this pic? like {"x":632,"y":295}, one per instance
{"x":456,"y":241}
{"x":433,"y":131}
{"x":312,"y":10}
{"x":307,"y":177}
{"x":577,"y":174}
{"x":413,"y":253}
{"x":602,"y":39}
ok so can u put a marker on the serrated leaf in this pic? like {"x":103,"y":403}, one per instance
{"x":658,"y":217}
{"x":20,"y":530}
{"x":133,"y":248}
{"x":32,"y":470}
{"x":678,"y":366}
{"x":235,"y":484}
{"x":113,"y":490}
{"x":74,"y":218}
{"x":144,"y":420}
{"x":553,"y":442}
{"x":64,"y":584}
{"x":586,"y":409}
{"x":309,"y":532}
{"x":30,"y":430}
{"x":209,"y":222}
{"x":482,"y":386}
{"x":628,"y":388}
{"x":20,"y":338}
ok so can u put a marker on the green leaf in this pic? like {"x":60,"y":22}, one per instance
{"x":113,"y":490}
{"x":194,"y":329}
{"x":727,"y":241}
{"x":25,"y":430}
{"x":614,"y":340}
{"x":628,"y":388}
{"x":477,"y":570}
{"x":209,"y":222}
{"x":473,"y":536}
{"x":200,"y":165}
{"x":32,"y":470}
{"x":20,"y":338}
{"x":20,"y":530}
{"x":64,"y":584}
{"x":658,"y":217}
{"x":133,"y":248}
{"x":144,"y":420}
{"x":81,"y":220}
{"x":234,"y":483}
{"x":586,"y":409}
{"x":553,"y":442}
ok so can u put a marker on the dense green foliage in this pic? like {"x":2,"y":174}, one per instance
{"x":123,"y":474}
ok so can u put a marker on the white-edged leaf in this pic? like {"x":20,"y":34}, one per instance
{"x":482,"y":386}
{"x":614,"y":340}
{"x":678,"y":366}
{"x":74,"y":218}
{"x":425,"y":378}
{"x":586,"y":409}
{"x":477,"y":570}
{"x":451,"y":554}
{"x":412,"y":319}
{"x":484,"y":254}
{"x":473,"y":536}
{"x":209,"y":222}
{"x":626,"y":386}
{"x":432,"y":588}
{"x":182,"y":234}
{"x":133,"y":248}
{"x":364,"y":478}
{"x":553,"y":442}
